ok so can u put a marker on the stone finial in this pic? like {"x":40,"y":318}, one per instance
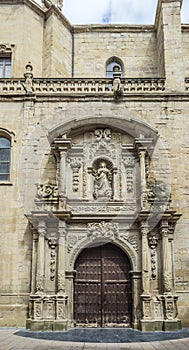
{"x":117,"y":90}
{"x":28,"y":77}
{"x":48,"y":3}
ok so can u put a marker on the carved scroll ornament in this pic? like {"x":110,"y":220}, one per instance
{"x":108,"y":230}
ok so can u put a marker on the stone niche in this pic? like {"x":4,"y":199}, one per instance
{"x":105,"y":189}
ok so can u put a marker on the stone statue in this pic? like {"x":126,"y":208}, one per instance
{"x":102,"y":182}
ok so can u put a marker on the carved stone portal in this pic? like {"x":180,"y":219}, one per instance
{"x":102,"y":194}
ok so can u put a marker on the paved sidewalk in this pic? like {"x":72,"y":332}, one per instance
{"x":11,"y":339}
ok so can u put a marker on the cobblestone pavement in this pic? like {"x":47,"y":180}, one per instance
{"x":19,"y":339}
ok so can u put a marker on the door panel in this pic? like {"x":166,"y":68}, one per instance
{"x":102,"y":288}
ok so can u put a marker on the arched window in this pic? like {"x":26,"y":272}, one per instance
{"x":111,"y":63}
{"x":4,"y":159}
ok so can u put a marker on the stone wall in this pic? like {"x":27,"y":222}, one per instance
{"x":30,"y":118}
{"x":135,"y":46}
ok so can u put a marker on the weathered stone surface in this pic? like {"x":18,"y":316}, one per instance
{"x":87,"y":168}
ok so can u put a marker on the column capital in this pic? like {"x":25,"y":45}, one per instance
{"x":62,"y":228}
{"x":144,"y":227}
{"x":41,"y":228}
{"x":143,"y":145}
{"x":61,"y":144}
{"x":164,"y":228}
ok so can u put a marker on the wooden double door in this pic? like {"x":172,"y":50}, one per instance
{"x":102,"y":288}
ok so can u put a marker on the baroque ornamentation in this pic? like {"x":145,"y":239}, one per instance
{"x":103,"y":182}
{"x":104,"y":209}
{"x":39,"y":283}
{"x":72,"y":241}
{"x":75,"y":163}
{"x":52,"y":245}
{"x":167,"y":280}
{"x":105,"y":134}
{"x":5,"y":48}
{"x":46,"y":192}
{"x":153,"y":240}
{"x":103,"y":229}
{"x":37,"y":310}
{"x":61,"y":281}
{"x":129,"y":162}
{"x":102,"y":145}
{"x":131,"y":239}
{"x":157,"y":191}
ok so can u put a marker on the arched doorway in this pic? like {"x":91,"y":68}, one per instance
{"x":102,"y":288}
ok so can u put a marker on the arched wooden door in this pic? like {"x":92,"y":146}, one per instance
{"x":102,"y":288}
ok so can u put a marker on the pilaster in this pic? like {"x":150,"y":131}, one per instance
{"x":169,"y":44}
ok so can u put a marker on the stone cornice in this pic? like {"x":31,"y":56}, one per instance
{"x":45,"y":13}
{"x":31,"y":4}
{"x":54,"y":10}
{"x":96,"y":97}
{"x":116,"y":28}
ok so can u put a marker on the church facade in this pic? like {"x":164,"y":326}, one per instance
{"x":93,"y":170}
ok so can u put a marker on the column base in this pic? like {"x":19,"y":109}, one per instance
{"x":47,"y":325}
{"x":160,"y":325}
{"x":172,"y":325}
{"x":151,"y":325}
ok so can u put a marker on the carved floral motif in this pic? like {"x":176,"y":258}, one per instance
{"x":72,"y":241}
{"x":75,"y":163}
{"x":153,"y":240}
{"x":52,"y":245}
{"x":103,"y":229}
{"x":46,"y":192}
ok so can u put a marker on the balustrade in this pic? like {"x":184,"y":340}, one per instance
{"x":81,"y":86}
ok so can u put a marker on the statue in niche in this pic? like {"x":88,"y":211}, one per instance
{"x":102,"y":182}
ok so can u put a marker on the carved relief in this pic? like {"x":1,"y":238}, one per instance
{"x":129,"y":162}
{"x":72,"y":241}
{"x":52,"y":245}
{"x":153,"y":240}
{"x":104,"y":208}
{"x":75,"y":164}
{"x":37,"y":309}
{"x":7,"y":49}
{"x":105,"y":134}
{"x":167,"y":279}
{"x":46,"y":192}
{"x":131,"y":239}
{"x":61,"y":281}
{"x":170,"y":306}
{"x":103,"y":229}
{"x":39,"y":283}
{"x":102,"y":145}
{"x":103,"y":182}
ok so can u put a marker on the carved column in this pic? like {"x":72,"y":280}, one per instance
{"x":61,"y":257}
{"x":34,"y":259}
{"x":116,"y":185}
{"x":40,"y":257}
{"x":61,"y":298}
{"x":143,"y":148}
{"x":145,"y":258}
{"x":136,"y":281}
{"x":167,"y":256}
{"x":62,"y":145}
{"x":142,"y":155}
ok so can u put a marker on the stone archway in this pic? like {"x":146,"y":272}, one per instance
{"x":102,"y":288}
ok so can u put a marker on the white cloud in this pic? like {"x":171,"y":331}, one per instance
{"x":115,"y":11}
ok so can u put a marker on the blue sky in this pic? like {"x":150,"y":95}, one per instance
{"x":115,"y":11}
